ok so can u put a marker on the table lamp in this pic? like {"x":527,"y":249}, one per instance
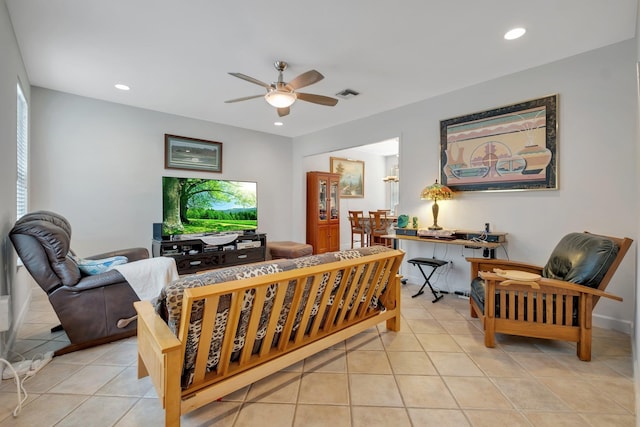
{"x":436,"y":192}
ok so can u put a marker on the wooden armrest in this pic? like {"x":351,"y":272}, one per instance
{"x":545,"y":282}
{"x":132,"y":254}
{"x":160,"y":356}
{"x":159,"y":331}
{"x":504,"y":265}
{"x":531,"y":283}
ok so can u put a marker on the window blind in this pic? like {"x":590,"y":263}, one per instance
{"x":23,"y":151}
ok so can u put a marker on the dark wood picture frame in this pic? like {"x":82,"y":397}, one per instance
{"x":195,"y":154}
{"x":508,"y":148}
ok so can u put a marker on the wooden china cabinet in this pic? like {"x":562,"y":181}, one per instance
{"x":323,"y":211}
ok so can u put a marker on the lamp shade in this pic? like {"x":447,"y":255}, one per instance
{"x":436,"y":192}
{"x":280,"y":99}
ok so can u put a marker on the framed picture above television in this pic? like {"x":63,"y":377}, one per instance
{"x":192,"y":154}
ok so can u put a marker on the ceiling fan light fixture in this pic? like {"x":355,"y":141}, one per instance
{"x":280,"y":99}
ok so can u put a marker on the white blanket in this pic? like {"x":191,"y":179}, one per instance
{"x":147,"y":277}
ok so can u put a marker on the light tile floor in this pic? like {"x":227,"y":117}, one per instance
{"x":435,"y":372}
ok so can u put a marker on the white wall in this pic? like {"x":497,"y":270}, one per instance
{"x":11,"y":69}
{"x":597,"y":165}
{"x":100,"y":165}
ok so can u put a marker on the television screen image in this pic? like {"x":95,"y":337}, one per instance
{"x":204,"y":206}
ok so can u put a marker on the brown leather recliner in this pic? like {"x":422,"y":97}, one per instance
{"x":88,"y":307}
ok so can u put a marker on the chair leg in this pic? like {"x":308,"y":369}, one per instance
{"x":583,"y":347}
{"x":363,"y":240}
{"x":489,"y":332}
{"x":472,"y":312}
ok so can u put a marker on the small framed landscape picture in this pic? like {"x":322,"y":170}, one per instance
{"x":192,"y":154}
{"x":351,"y":176}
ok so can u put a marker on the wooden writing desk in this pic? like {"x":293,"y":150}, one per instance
{"x":491,"y":246}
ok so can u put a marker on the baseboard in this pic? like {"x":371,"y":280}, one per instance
{"x":636,"y":365}
{"x":612,"y":323}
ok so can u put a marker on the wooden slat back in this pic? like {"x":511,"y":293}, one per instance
{"x":362,"y":279}
{"x":308,"y":304}
{"x":205,"y":339}
{"x":544,"y":306}
{"x":252,"y":328}
{"x":235,"y":310}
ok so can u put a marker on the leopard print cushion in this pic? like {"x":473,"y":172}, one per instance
{"x":170,"y":302}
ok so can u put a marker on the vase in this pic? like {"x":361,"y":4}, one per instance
{"x":536,"y":157}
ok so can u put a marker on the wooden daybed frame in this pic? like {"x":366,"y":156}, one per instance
{"x":161,"y":353}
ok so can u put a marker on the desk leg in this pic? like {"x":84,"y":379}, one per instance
{"x":396,"y":245}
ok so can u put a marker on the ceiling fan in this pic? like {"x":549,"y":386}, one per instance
{"x":282,"y":95}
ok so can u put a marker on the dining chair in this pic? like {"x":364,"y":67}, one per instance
{"x":378,"y":227}
{"x":358,"y":228}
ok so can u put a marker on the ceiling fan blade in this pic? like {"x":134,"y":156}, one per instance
{"x":283,"y":111}
{"x":244,"y":98}
{"x":251,"y":80}
{"x":317,"y":99}
{"x":305,"y":79}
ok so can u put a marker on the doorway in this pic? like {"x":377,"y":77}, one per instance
{"x":381,"y":183}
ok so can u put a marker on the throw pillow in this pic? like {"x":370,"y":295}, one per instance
{"x":97,"y":266}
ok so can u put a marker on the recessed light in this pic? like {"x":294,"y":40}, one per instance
{"x":278,"y":123}
{"x":120,"y":86}
{"x":515,"y":33}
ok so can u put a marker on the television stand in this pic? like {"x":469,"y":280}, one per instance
{"x":195,"y":255}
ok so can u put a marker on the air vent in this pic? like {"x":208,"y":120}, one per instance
{"x":347,"y":94}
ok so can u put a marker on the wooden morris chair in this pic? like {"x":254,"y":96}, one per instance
{"x":553,"y":302}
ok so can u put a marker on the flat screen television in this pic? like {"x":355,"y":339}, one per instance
{"x":208,"y":206}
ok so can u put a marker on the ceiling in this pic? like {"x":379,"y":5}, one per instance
{"x":175,"y":55}
{"x":389,"y":147}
